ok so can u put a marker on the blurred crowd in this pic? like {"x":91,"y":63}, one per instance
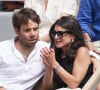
{"x":10,"y":5}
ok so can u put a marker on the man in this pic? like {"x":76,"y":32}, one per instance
{"x":89,"y":19}
{"x":21,"y":65}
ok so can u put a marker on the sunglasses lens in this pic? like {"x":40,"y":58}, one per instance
{"x":59,"y":33}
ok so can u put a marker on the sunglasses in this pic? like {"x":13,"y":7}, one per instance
{"x":59,"y":33}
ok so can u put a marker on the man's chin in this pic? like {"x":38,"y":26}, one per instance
{"x":32,"y":42}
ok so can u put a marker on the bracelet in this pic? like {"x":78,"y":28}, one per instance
{"x":87,"y":40}
{"x":56,"y":68}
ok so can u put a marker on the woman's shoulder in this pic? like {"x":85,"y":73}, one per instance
{"x":83,"y":49}
{"x":83,"y":55}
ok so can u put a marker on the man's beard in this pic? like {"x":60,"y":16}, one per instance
{"x":27,"y":44}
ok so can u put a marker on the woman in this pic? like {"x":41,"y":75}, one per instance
{"x":68,"y":56}
{"x":49,"y":11}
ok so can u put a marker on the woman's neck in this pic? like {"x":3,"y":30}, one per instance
{"x":64,"y":50}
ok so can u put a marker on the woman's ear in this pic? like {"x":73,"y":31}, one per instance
{"x":72,"y":37}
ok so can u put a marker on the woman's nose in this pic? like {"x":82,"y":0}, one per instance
{"x":56,"y":36}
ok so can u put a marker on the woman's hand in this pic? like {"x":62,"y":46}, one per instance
{"x":48,"y":56}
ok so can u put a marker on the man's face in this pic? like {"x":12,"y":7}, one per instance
{"x":28,"y":34}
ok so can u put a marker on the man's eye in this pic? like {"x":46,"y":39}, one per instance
{"x":27,"y":30}
{"x":35,"y":29}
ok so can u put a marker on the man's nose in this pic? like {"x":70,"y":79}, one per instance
{"x":32,"y":32}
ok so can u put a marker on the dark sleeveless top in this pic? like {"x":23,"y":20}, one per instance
{"x":68,"y":66}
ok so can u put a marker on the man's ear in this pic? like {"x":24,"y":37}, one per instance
{"x":16,"y":31}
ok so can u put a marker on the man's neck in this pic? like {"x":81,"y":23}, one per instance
{"x":25,"y":51}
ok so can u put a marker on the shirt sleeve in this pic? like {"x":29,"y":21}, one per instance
{"x":85,"y":17}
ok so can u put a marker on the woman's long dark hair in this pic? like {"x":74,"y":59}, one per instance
{"x":68,"y":23}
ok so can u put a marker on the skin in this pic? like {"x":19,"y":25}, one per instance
{"x":46,"y":3}
{"x":27,"y":38}
{"x":72,"y":80}
{"x":3,"y":88}
{"x":90,"y":44}
{"x":63,"y":42}
{"x":28,"y":35}
{"x":96,"y":64}
{"x":46,"y":37}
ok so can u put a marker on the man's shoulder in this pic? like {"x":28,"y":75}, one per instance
{"x":4,"y":43}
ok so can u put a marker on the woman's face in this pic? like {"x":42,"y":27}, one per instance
{"x":62,"y":38}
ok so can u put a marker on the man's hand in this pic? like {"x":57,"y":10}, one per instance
{"x":90,"y":44}
{"x":93,"y":48}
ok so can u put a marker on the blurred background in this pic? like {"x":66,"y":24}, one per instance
{"x":6,"y":11}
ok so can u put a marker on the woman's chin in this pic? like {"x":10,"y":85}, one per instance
{"x":59,"y":46}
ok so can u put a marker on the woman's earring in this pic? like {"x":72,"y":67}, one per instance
{"x":72,"y":40}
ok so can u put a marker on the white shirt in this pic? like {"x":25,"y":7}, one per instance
{"x":55,"y":8}
{"x":15,"y":73}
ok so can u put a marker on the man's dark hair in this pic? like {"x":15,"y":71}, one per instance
{"x":23,"y":15}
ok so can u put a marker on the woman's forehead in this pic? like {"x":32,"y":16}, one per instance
{"x":59,"y":28}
